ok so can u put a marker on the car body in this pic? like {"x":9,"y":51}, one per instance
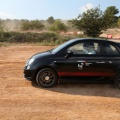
{"x":83,"y":59}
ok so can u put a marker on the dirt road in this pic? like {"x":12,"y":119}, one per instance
{"x":23,"y":100}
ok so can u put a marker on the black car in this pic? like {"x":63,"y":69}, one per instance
{"x":82,"y":59}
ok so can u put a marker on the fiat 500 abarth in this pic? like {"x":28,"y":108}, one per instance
{"x":82,"y":59}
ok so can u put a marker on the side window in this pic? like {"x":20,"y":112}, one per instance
{"x":87,"y":47}
{"x":111,"y":50}
{"x":77,"y":48}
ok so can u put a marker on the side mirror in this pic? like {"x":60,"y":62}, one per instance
{"x":69,"y":53}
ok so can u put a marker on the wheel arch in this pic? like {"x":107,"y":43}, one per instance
{"x":117,"y":71}
{"x":46,"y":66}
{"x":116,"y":81}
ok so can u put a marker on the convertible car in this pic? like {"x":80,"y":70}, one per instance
{"x":86,"y":60}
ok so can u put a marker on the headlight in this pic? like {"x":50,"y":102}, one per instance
{"x":27,"y":63}
{"x":30,"y":61}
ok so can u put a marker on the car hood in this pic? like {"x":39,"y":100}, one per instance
{"x":42,"y":55}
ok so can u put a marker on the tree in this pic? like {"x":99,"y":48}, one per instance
{"x":1,"y":30}
{"x":58,"y":26}
{"x":1,"y":25}
{"x":118,"y":22}
{"x":36,"y":25}
{"x":94,"y":20}
{"x":32,"y":25}
{"x":25,"y":25}
{"x":110,"y":16}
{"x":50,"y":20}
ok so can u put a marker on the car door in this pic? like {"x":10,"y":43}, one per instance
{"x":111,"y":59}
{"x":83,"y":63}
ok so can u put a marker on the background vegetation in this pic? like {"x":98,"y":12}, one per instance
{"x":91,"y":23}
{"x":44,"y":38}
{"x":94,"y":21}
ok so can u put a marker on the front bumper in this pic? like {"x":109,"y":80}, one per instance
{"x":30,"y":70}
{"x":29,"y":74}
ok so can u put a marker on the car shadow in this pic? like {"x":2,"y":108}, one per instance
{"x":102,"y":90}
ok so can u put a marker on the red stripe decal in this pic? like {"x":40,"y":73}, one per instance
{"x":84,"y":74}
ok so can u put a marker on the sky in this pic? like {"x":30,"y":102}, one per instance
{"x":43,"y":9}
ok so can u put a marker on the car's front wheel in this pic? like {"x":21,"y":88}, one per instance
{"x":46,"y":78}
{"x":117,"y":81}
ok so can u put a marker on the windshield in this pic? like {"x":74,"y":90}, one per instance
{"x":61,"y":46}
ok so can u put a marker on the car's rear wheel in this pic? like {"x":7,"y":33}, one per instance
{"x":46,"y":78}
{"x":117,"y":81}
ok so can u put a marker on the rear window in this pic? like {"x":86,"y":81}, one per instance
{"x":118,"y":44}
{"x":111,"y":49}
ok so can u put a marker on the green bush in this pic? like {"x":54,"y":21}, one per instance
{"x":39,"y":38}
{"x":26,"y":37}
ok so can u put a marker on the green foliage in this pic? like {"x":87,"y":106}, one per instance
{"x":32,"y":25}
{"x":50,"y":20}
{"x":110,"y":17}
{"x":7,"y":38}
{"x":1,"y":30}
{"x":1,"y":25}
{"x":118,"y":22}
{"x":93,"y":21}
{"x":58,"y":26}
{"x":13,"y":37}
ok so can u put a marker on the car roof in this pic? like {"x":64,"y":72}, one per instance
{"x":97,"y":39}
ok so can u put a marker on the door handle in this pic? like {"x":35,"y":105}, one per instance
{"x":102,"y":62}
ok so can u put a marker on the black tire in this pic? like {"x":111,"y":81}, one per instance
{"x":117,"y":81}
{"x":46,"y":78}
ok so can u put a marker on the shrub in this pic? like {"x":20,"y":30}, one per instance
{"x":39,"y":38}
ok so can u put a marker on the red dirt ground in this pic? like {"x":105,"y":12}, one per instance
{"x":24,"y":100}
